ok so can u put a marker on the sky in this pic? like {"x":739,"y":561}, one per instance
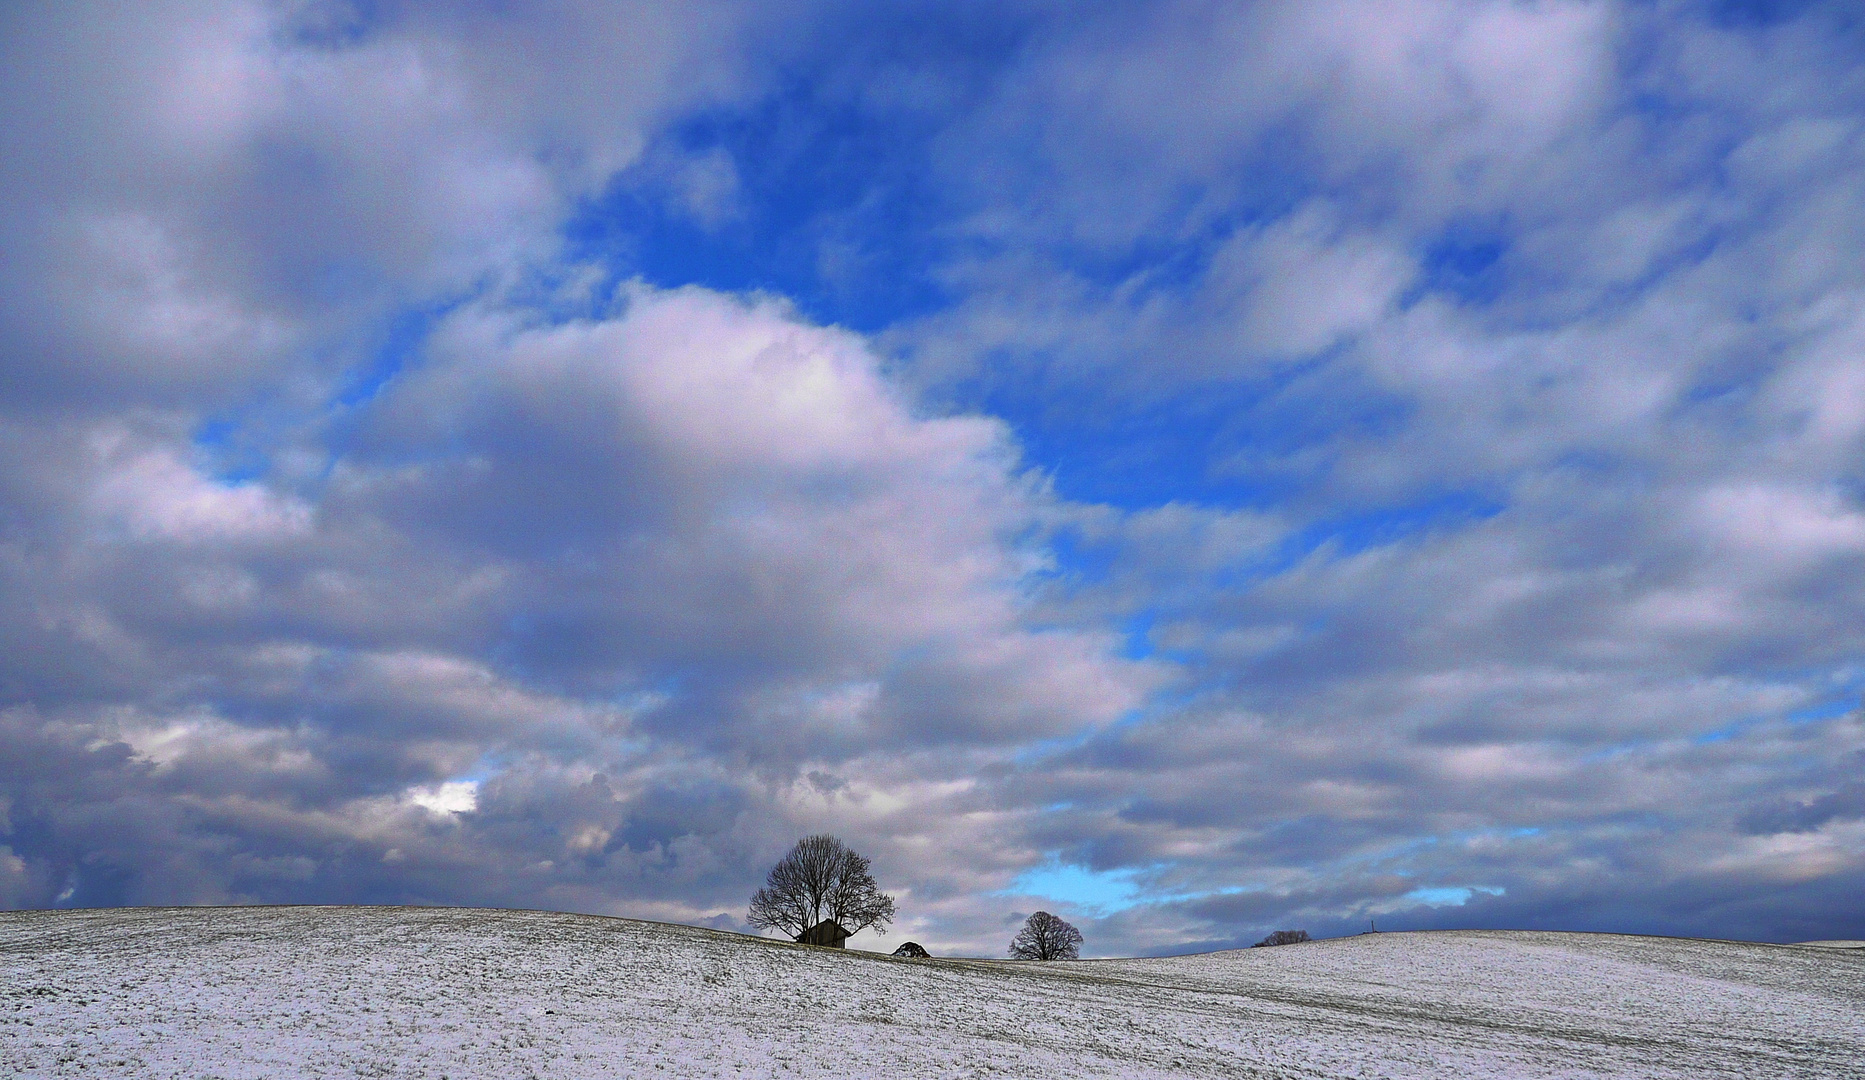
{"x":1196,"y":468}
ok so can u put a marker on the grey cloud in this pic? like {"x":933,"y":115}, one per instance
{"x":1806,"y":815}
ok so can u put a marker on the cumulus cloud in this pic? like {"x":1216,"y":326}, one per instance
{"x":627,"y":580}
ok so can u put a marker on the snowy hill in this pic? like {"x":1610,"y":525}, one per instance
{"x":366,"y":992}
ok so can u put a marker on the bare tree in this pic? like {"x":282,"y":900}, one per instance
{"x":1046,"y":937}
{"x":1283,"y":937}
{"x":821,"y":879}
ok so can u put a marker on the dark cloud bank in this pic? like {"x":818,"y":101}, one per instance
{"x":1395,"y":465}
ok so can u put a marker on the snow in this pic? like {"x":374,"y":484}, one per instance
{"x":457,"y":993}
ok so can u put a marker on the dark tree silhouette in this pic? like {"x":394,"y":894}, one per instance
{"x":1283,"y":937}
{"x":821,"y":879}
{"x":1046,"y":937}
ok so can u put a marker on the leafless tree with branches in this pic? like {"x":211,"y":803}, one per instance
{"x":1283,"y":937}
{"x":821,"y":879}
{"x":1046,"y":937}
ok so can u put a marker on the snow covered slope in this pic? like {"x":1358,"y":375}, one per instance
{"x":366,"y":992}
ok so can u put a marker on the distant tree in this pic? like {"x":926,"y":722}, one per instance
{"x":1046,"y":937}
{"x":1283,"y":937}
{"x":821,"y":879}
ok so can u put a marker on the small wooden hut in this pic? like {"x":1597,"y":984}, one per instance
{"x":828,"y":933}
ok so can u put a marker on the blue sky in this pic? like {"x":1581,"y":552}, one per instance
{"x":1199,"y":468}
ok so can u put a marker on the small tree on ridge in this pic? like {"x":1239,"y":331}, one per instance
{"x":1046,"y":937}
{"x":820,"y":879}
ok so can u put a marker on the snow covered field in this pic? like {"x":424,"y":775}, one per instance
{"x":377,"y":992}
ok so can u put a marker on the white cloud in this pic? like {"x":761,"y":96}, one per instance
{"x":152,"y":495}
{"x":452,"y":797}
{"x":747,"y":492}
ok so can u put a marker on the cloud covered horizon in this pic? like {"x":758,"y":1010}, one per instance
{"x":1200,"y":469}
